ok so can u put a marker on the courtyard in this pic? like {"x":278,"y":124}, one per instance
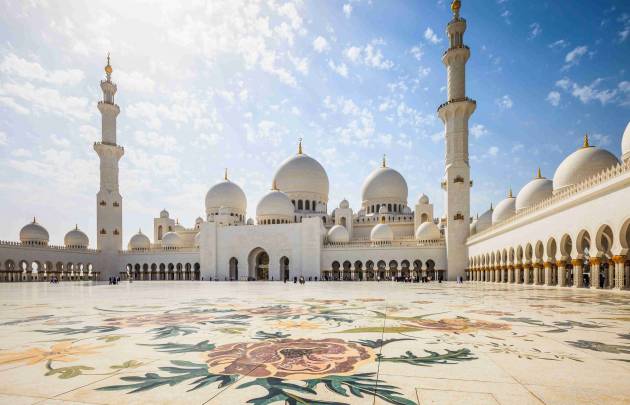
{"x":322,"y":342}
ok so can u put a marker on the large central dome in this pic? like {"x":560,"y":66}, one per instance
{"x":385,"y":184}
{"x":301,"y":174}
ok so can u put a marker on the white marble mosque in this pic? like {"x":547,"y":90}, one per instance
{"x":569,"y":230}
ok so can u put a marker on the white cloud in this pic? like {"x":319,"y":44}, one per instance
{"x":590,"y":92}
{"x":506,"y":16}
{"x":21,"y":152}
{"x":478,"y":130}
{"x":417,"y":52}
{"x":347,"y":10}
{"x":573,"y":57}
{"x":553,"y":98}
{"x":517,"y":147}
{"x":300,"y":64}
{"x":430,"y":36}
{"x":89,"y":133}
{"x":535,"y":30}
{"x":600,"y":139}
{"x":320,"y":44}
{"x":493,"y":151}
{"x":155,"y":140}
{"x":15,"y":66}
{"x":341,"y":69}
{"x":58,"y":141}
{"x":3,"y":138}
{"x":9,"y":102}
{"x":624,"y":19}
{"x":266,"y":130}
{"x":368,"y":55}
{"x":504,"y":103}
{"x":45,"y":99}
{"x":134,"y":81}
{"x":561,"y":43}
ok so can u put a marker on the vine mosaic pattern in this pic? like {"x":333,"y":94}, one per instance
{"x":322,"y":343}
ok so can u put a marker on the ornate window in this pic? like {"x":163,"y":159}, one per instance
{"x":116,"y":232}
{"x":116,"y":204}
{"x":459,"y":217}
{"x":103,"y":231}
{"x":102,"y":203}
{"x":458,"y":179}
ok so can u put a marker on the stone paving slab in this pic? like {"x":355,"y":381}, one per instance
{"x":324,"y":342}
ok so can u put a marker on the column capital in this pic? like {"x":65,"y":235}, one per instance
{"x":595,"y":261}
{"x":547,"y":264}
{"x":561,"y":263}
{"x":619,"y":259}
{"x":537,"y":265}
{"x":577,"y":262}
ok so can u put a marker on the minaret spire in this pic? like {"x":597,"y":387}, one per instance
{"x":455,"y":113}
{"x":108,"y":198}
{"x":225,"y":177}
{"x":299,"y":146}
{"x":384,"y":162}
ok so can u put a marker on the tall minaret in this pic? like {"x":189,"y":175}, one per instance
{"x":455,"y":114}
{"x":108,"y":198}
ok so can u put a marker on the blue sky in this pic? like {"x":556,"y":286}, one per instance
{"x":235,"y":84}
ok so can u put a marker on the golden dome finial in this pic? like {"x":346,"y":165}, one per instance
{"x":274,"y":186}
{"x":539,"y":174}
{"x":491,"y":206}
{"x":455,"y":6}
{"x":384,"y":163}
{"x":108,"y":68}
{"x":586,"y":145}
{"x":76,"y":227}
{"x":225,"y":177}
{"x":34,"y":220}
{"x":299,"y":146}
{"x":510,"y":193}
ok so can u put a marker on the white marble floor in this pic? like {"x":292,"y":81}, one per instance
{"x":326,"y":343}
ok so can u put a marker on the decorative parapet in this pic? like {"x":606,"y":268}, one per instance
{"x":6,"y":243}
{"x":158,"y":251}
{"x":562,"y":195}
{"x":456,"y":100}
{"x":437,"y":243}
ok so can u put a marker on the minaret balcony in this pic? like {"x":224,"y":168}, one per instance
{"x":455,"y":47}
{"x":104,"y":107}
{"x":457,"y":100}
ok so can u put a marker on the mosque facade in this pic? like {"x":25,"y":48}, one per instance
{"x":572,"y":230}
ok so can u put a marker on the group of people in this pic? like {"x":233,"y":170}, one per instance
{"x":114,"y":280}
{"x":301,"y":280}
{"x":54,"y":280}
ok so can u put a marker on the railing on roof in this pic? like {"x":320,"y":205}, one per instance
{"x":50,"y":247}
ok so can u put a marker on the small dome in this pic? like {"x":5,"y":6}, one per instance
{"x":383,"y":210}
{"x":423,"y":199}
{"x":199,"y":220}
{"x":275,"y":205}
{"x":75,"y":238}
{"x":338,"y":234}
{"x":164,"y":214}
{"x":406,"y":210}
{"x":344,"y":204}
{"x":385,"y":184}
{"x":250,"y":221}
{"x":34,"y":233}
{"x":505,"y":209}
{"x":301,"y":174}
{"x":178,"y":227}
{"x":582,"y":164}
{"x":382,"y":233}
{"x":196,"y":240}
{"x":428,"y":231}
{"x":485,"y":220}
{"x":533,"y":192}
{"x":625,"y":143}
{"x":139,"y":241}
{"x":226,"y":194}
{"x":171,"y":240}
